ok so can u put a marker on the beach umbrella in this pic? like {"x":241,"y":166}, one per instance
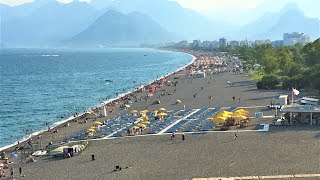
{"x":155,"y":111}
{"x":150,"y":95}
{"x":219,"y":120}
{"x":146,"y":122}
{"x":13,"y":155}
{"x":139,"y":119}
{"x":1,"y":164}
{"x":92,"y":127}
{"x":178,"y":101}
{"x":162,"y":114}
{"x":142,"y":125}
{"x":91,"y":130}
{"x":134,"y":111}
{"x":98,"y":123}
{"x":144,"y":111}
{"x":242,"y":111}
{"x":145,"y":118}
{"x":135,"y":127}
{"x":162,"y":109}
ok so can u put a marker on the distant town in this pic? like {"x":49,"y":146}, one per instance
{"x":289,"y":39}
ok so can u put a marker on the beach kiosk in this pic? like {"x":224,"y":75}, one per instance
{"x":200,"y":74}
{"x":309,"y":101}
{"x":103,"y":111}
{"x":283,"y":100}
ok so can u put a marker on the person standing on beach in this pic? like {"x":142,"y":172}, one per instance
{"x":173,"y":135}
{"x":234,"y":98}
{"x":183,"y":136}
{"x":20,"y":171}
{"x":12,"y":173}
{"x":235,"y":136}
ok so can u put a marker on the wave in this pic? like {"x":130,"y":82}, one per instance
{"x":50,"y":55}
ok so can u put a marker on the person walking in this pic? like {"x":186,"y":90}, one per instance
{"x":183,"y":137}
{"x":20,"y":171}
{"x":173,"y":135}
{"x":235,"y":136}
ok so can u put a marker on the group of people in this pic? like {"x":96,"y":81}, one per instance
{"x":6,"y":165}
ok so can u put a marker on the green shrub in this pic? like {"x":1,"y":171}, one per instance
{"x":269,"y":81}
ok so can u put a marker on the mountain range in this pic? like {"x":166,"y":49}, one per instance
{"x":124,"y":22}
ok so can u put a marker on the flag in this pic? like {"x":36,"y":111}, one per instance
{"x":294,"y":93}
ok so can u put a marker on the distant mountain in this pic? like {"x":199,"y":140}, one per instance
{"x":101,"y":4}
{"x":48,"y":24}
{"x":183,"y":22}
{"x":115,"y":28}
{"x":293,"y":20}
{"x":11,"y":13}
{"x":273,"y":25}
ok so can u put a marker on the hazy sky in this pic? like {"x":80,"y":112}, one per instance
{"x":236,"y":11}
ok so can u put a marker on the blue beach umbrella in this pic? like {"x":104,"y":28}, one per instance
{"x":14,"y":155}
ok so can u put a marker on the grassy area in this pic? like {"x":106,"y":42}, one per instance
{"x":257,"y":75}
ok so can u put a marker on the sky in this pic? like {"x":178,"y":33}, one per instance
{"x":233,"y":11}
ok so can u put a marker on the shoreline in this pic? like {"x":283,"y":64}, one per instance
{"x":58,"y":124}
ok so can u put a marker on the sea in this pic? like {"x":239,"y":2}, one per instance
{"x":47,"y":86}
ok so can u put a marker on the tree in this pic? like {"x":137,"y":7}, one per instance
{"x":311,"y":53}
{"x":270,"y":64}
{"x":285,"y":60}
{"x":269,"y":81}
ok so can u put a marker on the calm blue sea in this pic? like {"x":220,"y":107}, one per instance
{"x":39,"y":86}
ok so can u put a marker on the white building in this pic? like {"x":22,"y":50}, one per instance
{"x":290,"y":39}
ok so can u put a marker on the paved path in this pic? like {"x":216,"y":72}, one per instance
{"x":263,"y":177}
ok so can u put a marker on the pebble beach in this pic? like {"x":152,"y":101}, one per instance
{"x":279,"y":151}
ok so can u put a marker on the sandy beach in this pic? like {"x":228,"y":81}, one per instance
{"x":156,"y":157}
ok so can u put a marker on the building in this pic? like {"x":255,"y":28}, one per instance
{"x":277,"y":43}
{"x":214,"y":44}
{"x":206,"y":44}
{"x":301,"y":114}
{"x":196,"y":44}
{"x":234,"y":43}
{"x":290,"y":39}
{"x":222,"y":42}
{"x":182,"y":44}
{"x":261,"y":42}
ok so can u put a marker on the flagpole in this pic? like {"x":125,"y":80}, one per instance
{"x":292,"y":96}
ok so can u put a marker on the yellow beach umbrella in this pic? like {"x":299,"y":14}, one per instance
{"x":239,"y":117}
{"x":145,"y":118}
{"x":142,"y":125}
{"x":139,"y":119}
{"x":240,"y":114}
{"x":146,"y":122}
{"x":226,"y":112}
{"x":155,"y":111}
{"x":219,"y":120}
{"x":242,"y":110}
{"x":162,"y":109}
{"x":133,"y":111}
{"x":92,"y":127}
{"x":98,"y":123}
{"x":91,"y":130}
{"x":135,"y":127}
{"x":162,"y":114}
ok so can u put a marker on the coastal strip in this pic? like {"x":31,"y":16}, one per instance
{"x":62,"y":123}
